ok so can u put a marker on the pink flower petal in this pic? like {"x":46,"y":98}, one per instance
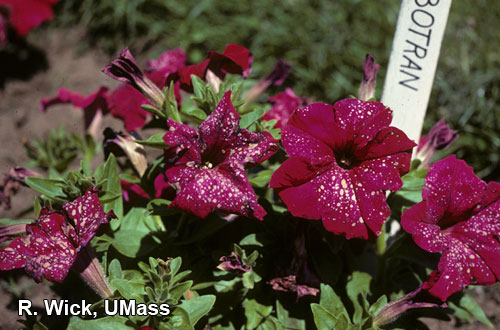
{"x":126,"y":105}
{"x":285,"y":103}
{"x":220,"y":125}
{"x":460,"y":217}
{"x":25,"y":15}
{"x":87,"y":215}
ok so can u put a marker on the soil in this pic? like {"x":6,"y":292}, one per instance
{"x":57,"y":63}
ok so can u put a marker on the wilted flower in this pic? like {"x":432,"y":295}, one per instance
{"x":342,"y":160}
{"x":56,"y":240}
{"x":233,"y":263}
{"x":460,"y":217}
{"x":127,"y":145}
{"x":289,"y":284}
{"x":285,"y":103}
{"x":94,"y":105}
{"x":125,"y":69}
{"x":25,"y":15}
{"x":276,"y":77}
{"x":370,"y":69}
{"x":207,"y":166}
{"x":11,"y":182}
{"x":440,"y":137}
{"x":398,"y":307}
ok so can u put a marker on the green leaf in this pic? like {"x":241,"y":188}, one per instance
{"x":323,"y":319}
{"x":160,"y":207}
{"x":49,"y":188}
{"x":132,"y":243}
{"x":378,"y":305}
{"x":134,"y":236}
{"x":288,"y":321}
{"x":10,"y":222}
{"x":331,"y":302}
{"x":154,"y":141}
{"x":108,"y":174}
{"x":469,"y":304}
{"x":115,"y":270}
{"x":198,"y":307}
{"x":413,"y":183}
{"x":251,"y":117}
{"x":255,"y":313}
{"x":105,"y":323}
{"x":359,"y":286}
{"x":179,"y":320}
{"x":251,"y":239}
{"x":153,"y":110}
{"x":129,"y":289}
{"x":262,"y":178}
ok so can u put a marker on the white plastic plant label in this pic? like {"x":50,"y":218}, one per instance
{"x":413,"y":61}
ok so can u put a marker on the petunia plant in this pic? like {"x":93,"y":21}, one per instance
{"x":240,"y":205}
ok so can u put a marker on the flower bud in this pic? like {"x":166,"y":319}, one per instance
{"x":125,"y":69}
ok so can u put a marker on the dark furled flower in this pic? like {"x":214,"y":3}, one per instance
{"x":235,"y":59}
{"x":52,"y":243}
{"x":370,"y":69}
{"x":94,"y":105}
{"x":460,"y":217}
{"x":342,"y":160}
{"x":25,"y":15}
{"x":289,"y":284}
{"x":233,"y":263}
{"x":126,"y":105}
{"x":125,"y":69}
{"x":285,"y":103}
{"x":11,"y":183}
{"x":276,"y":77}
{"x":440,"y":137}
{"x":207,"y":166}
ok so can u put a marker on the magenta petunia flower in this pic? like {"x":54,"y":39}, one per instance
{"x":284,"y":105}
{"x":207,"y":166}
{"x":460,"y":217}
{"x":25,"y":15}
{"x":126,"y":104}
{"x":235,"y":59}
{"x":51,"y":244}
{"x":342,"y":160}
{"x":92,"y":104}
{"x":168,"y":62}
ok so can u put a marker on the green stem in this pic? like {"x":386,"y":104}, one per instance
{"x":381,"y":242}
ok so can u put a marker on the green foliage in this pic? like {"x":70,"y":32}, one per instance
{"x":74,"y":184}
{"x":60,"y":149}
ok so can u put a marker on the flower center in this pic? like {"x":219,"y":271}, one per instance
{"x":346,"y":160}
